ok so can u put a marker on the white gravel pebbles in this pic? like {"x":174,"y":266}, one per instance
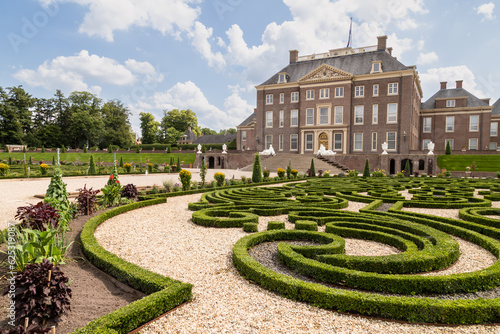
{"x":164,"y":240}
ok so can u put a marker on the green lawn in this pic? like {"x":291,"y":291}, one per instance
{"x":154,"y":158}
{"x":484,"y":163}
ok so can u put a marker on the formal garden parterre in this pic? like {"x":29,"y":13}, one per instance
{"x":390,"y":286}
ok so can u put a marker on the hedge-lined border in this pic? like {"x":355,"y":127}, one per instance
{"x":398,"y":308}
{"x":163,"y":293}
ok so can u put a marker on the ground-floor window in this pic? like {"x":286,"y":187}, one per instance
{"x":309,"y":141}
{"x":337,"y":141}
{"x":269,"y":141}
{"x":358,"y":141}
{"x":281,"y":142}
{"x":294,"y":142}
{"x":391,"y":140}
{"x":473,"y":144}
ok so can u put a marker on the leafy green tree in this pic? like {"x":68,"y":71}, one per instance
{"x":231,"y":131}
{"x":116,"y":125}
{"x":86,"y":124}
{"x":448,"y":148}
{"x":207,"y":131}
{"x":180,"y":120}
{"x":366,"y":172}
{"x":15,"y":115}
{"x":171,"y":136}
{"x":257,"y":169}
{"x":149,"y":128}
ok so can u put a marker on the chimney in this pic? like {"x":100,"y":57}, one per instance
{"x":294,"y":56}
{"x":389,"y":50}
{"x":486,"y":100}
{"x":459,"y":83}
{"x":382,"y":43}
{"x":443,"y":85}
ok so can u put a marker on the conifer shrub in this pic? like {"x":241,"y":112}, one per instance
{"x":92,"y":170}
{"x":313,"y":169}
{"x":257,"y":169}
{"x":366,"y":171}
{"x":448,"y":148}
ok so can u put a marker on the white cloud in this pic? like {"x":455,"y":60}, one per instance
{"x":104,"y":18}
{"x":486,"y":10}
{"x":430,"y":80}
{"x":315,"y":22}
{"x":427,"y":58}
{"x":186,"y":95}
{"x":200,"y":39}
{"x":74,"y":72}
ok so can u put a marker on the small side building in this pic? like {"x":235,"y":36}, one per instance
{"x":188,"y":137}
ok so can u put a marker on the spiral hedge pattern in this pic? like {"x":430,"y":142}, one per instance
{"x":383,"y":286}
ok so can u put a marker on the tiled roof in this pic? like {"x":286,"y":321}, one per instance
{"x":249,"y":120}
{"x":496,"y":108}
{"x":189,"y":135}
{"x":355,"y":64}
{"x":214,"y":139}
{"x":472,"y":101}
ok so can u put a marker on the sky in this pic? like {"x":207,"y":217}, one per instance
{"x":208,"y":55}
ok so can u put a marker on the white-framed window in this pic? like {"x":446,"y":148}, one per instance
{"x":339,"y":115}
{"x":493,"y":146}
{"x":280,"y":144}
{"x":425,"y":142}
{"x":282,"y":118}
{"x":323,"y":115}
{"x":294,"y":117}
{"x":450,"y":123}
{"x":310,"y":116}
{"x":392,"y":89}
{"x":376,"y":67}
{"x":427,"y":124}
{"x":269,"y":119}
{"x":473,"y":143}
{"x":282,"y":98}
{"x":294,"y":143}
{"x":282,"y":78}
{"x":358,"y":114}
{"x":269,"y":99}
{"x":309,"y":141}
{"x":358,"y":141}
{"x":391,"y":141}
{"x":310,"y":94}
{"x":375,"y":89}
{"x":375,"y":114}
{"x":359,"y":91}
{"x":324,"y":93}
{"x":392,"y":113}
{"x":451,"y":141}
{"x":243,"y":135}
{"x":474,"y":123}
{"x":339,"y":91}
{"x":294,"y":97}
{"x":337,"y":141}
{"x":374,"y":141}
{"x":269,"y":141}
{"x":494,"y":129}
{"x":450,"y":103}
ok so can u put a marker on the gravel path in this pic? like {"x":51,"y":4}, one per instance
{"x":162,"y":239}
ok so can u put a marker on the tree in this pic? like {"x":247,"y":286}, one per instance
{"x":149,"y":128}
{"x":257,"y":169}
{"x":207,"y":131}
{"x":180,"y":120}
{"x":116,"y":125}
{"x":92,"y":170}
{"x":313,"y":170}
{"x":171,"y":136}
{"x":15,"y":115}
{"x":366,"y":172}
{"x":448,"y":148}
{"x":178,"y":164}
{"x":86,"y":123}
{"x":230,"y":131}
{"x":407,"y":168}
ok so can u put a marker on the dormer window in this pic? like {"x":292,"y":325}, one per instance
{"x":282,"y":78}
{"x":450,"y":103}
{"x":376,"y":67}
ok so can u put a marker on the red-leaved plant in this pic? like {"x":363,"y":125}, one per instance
{"x":87,"y":200}
{"x":37,"y":217}
{"x":129,"y":191}
{"x":36,"y":297}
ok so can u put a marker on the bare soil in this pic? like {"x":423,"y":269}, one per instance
{"x":94,"y":292}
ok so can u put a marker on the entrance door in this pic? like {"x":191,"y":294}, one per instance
{"x":211,"y":162}
{"x":323,"y":140}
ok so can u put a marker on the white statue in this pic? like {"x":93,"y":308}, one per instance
{"x":269,"y":151}
{"x":199,"y":148}
{"x":323,"y":151}
{"x":385,"y":146}
{"x":430,"y":147}
{"x":224,"y":148}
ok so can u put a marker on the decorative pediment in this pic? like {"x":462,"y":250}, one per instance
{"x":326,"y":73}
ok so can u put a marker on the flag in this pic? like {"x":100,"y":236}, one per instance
{"x":350,"y":36}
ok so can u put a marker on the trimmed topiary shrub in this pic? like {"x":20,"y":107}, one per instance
{"x":275,"y":225}
{"x":257,"y":169}
{"x":251,"y":227}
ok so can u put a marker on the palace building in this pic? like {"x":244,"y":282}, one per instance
{"x":351,"y":100}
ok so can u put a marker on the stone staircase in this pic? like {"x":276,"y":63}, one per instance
{"x":299,"y":162}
